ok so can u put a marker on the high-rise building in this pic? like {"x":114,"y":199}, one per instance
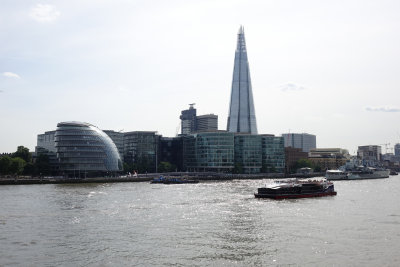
{"x":304,"y":141}
{"x":397,"y":150}
{"x":188,"y":120}
{"x":242,"y":117}
{"x":208,"y":122}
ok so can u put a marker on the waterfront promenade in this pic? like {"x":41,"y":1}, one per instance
{"x":206,"y":176}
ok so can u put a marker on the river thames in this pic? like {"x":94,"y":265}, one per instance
{"x":205,"y":224}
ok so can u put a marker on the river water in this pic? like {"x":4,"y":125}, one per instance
{"x":205,"y":224}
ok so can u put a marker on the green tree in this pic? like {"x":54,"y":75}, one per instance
{"x":5,"y":165}
{"x":23,"y":153}
{"x":166,"y":166}
{"x":303,"y":163}
{"x":17,"y":165}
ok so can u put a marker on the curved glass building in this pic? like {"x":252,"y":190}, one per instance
{"x":83,"y":148}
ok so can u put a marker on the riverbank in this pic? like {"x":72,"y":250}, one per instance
{"x":24,"y":180}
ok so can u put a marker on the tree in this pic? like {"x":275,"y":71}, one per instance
{"x":17,"y":165}
{"x":166,"y":166}
{"x":23,"y":153}
{"x":5,"y":165}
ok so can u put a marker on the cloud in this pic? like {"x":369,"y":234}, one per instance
{"x":383,"y":109}
{"x":44,"y":13}
{"x":11,"y":75}
{"x":291,"y":87}
{"x":1,"y":91}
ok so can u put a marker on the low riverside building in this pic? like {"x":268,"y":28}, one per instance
{"x":292,"y":155}
{"x":223,"y":151}
{"x":212,"y":151}
{"x":329,"y":158}
{"x":171,"y":151}
{"x":248,"y":153}
{"x":141,"y":148}
{"x":84,"y":150}
{"x":273,"y":153}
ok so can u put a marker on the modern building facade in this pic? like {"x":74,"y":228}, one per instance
{"x":84,"y":150}
{"x":304,"y":141}
{"x":273,"y":154}
{"x":223,"y":151}
{"x":46,"y":141}
{"x":171,"y":150}
{"x":141,"y":148}
{"x":248,"y":153}
{"x":118,"y":139}
{"x":206,"y":123}
{"x":242,"y":117}
{"x":212,"y":151}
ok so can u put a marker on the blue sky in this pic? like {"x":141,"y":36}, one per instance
{"x":329,"y":68}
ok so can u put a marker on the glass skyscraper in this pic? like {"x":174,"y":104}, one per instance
{"x":242,"y":117}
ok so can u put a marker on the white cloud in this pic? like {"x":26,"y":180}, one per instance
{"x":44,"y":13}
{"x":383,"y":109}
{"x":11,"y":75}
{"x":291,"y":87}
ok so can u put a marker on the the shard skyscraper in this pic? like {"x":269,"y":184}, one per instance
{"x":242,"y":117}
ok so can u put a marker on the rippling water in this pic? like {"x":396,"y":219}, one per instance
{"x":205,"y":224}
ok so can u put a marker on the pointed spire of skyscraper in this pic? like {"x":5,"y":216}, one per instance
{"x":242,"y":117}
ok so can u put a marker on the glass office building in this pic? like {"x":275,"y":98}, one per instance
{"x":211,"y":151}
{"x":273,"y":154}
{"x":83,"y":149}
{"x":248,"y":153}
{"x":242,"y":117}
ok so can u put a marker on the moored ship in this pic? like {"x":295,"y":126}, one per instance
{"x":296,"y":189}
{"x":336,"y":175}
{"x":368,"y":173}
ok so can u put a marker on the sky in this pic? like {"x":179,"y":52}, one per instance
{"x":329,"y":68}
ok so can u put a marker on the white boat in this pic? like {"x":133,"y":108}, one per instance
{"x":368,"y":173}
{"x":336,"y":175}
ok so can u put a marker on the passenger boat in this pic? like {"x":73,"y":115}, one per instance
{"x":172,"y":180}
{"x":296,"y":188}
{"x":336,"y":175}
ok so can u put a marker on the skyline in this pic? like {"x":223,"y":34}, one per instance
{"x":318,"y":68}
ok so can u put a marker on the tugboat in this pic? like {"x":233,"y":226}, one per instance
{"x":172,"y":180}
{"x":296,"y":188}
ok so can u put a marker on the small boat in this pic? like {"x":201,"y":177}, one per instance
{"x":172,"y":180}
{"x":336,"y":175}
{"x":393,"y":173}
{"x":296,"y":188}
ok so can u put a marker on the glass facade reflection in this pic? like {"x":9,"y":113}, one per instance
{"x":212,"y":151}
{"x":82,"y":148}
{"x":273,"y":154}
{"x":248,"y":156}
{"x":242,"y":117}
